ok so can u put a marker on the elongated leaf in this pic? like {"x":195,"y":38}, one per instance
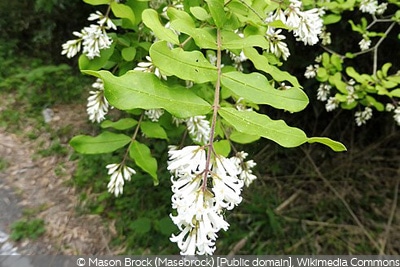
{"x":144,"y":90}
{"x":242,"y":138}
{"x":250,"y":122}
{"x":334,"y":145}
{"x":192,"y":66}
{"x":203,"y":37}
{"x":255,"y":87}
{"x":121,"y":124}
{"x":199,"y":13}
{"x":231,"y":40}
{"x":123,"y":11}
{"x":261,"y":63}
{"x":153,"y":130}
{"x":151,"y":20}
{"x":141,"y":154}
{"x":217,"y":12}
{"x":106,"y":142}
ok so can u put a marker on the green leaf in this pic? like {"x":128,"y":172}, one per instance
{"x":261,"y":63}
{"x":354,"y":74}
{"x":203,"y":37}
{"x":332,"y":18}
{"x":395,"y":93}
{"x":217,"y":12}
{"x":98,"y":62}
{"x":222,"y":147}
{"x":128,"y":53}
{"x":151,"y":20}
{"x":255,"y":87}
{"x":199,"y":13}
{"x":153,"y":130}
{"x":192,"y":66}
{"x":96,"y":2}
{"x":106,"y":142}
{"x":242,"y":138}
{"x":141,"y":154}
{"x":336,"y":80}
{"x":123,"y":11}
{"x":141,"y":226}
{"x":165,"y":226}
{"x":322,"y":74}
{"x":121,"y":124}
{"x":144,"y":90}
{"x":250,"y":122}
{"x":334,"y":145}
{"x":231,"y":40}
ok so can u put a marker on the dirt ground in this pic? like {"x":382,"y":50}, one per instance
{"x":29,"y":182}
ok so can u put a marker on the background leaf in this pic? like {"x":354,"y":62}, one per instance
{"x":153,"y":130}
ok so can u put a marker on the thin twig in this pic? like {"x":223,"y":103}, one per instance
{"x":344,"y":202}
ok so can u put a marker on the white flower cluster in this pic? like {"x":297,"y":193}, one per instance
{"x":202,"y":193}
{"x":365,"y":43}
{"x":97,"y":106}
{"x":396,"y":110}
{"x":305,"y":25}
{"x":154,"y":114}
{"x":363,"y":116}
{"x":197,"y":126}
{"x":93,"y":38}
{"x":373,"y":7}
{"x":119,"y":174}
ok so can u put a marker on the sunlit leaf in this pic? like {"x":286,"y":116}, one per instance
{"x":106,"y":142}
{"x":122,"y":124}
{"x":144,"y":90}
{"x":192,"y":66}
{"x":151,"y":20}
{"x":141,"y":154}
{"x":254,"y":87}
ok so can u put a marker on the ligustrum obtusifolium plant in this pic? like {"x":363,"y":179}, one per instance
{"x":180,"y":68}
{"x":340,"y":84}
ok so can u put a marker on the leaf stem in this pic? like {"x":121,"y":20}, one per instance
{"x":216,"y":107}
{"x":133,"y":137}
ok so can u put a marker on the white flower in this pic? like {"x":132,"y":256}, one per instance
{"x":381,"y":8}
{"x":149,"y":67}
{"x":351,"y":96}
{"x":237,"y":60}
{"x":200,"y":204}
{"x":323,"y":91}
{"x":226,"y":185}
{"x":390,"y":107}
{"x":94,"y":39}
{"x":363,"y":116}
{"x":369,"y":6}
{"x":325,"y":37}
{"x":306,"y":25}
{"x":154,"y":114}
{"x":276,"y":45}
{"x":332,"y":104}
{"x":103,"y":20}
{"x":188,"y":160}
{"x":396,"y":115}
{"x":364,"y":44}
{"x":244,"y":167}
{"x":119,"y":173}
{"x":199,"y":129}
{"x":97,"y":106}
{"x":311,"y":71}
{"x":72,"y":47}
